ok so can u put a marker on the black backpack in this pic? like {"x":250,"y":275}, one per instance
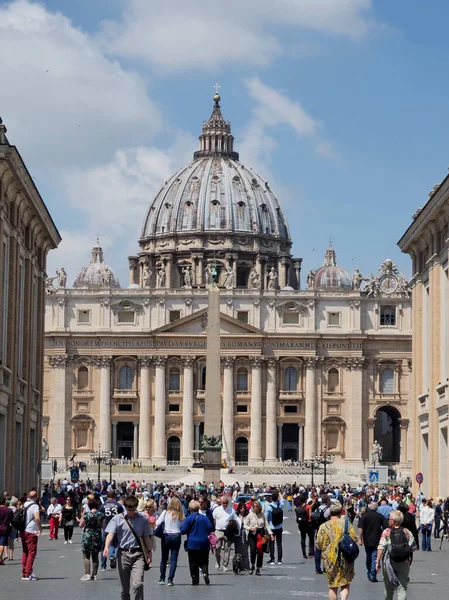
{"x":301,"y":514}
{"x":19,"y":518}
{"x":400,"y":549}
{"x":347,"y":547}
{"x":317,"y":517}
{"x":277,"y":515}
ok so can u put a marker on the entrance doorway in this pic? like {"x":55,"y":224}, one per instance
{"x":387,"y":432}
{"x":173,"y":450}
{"x":125,"y":440}
{"x":290,"y":442}
{"x":241,"y":451}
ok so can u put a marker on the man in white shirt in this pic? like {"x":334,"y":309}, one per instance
{"x":33,"y":529}
{"x":54,"y":513}
{"x":223,"y":514}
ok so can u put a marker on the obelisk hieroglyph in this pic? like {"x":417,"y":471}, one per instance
{"x":212,"y":443}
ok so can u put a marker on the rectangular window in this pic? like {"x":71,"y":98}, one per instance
{"x":333,"y":319}
{"x":242,"y":315}
{"x":388,"y":316}
{"x":290,"y":409}
{"x":242,"y":408}
{"x":125,"y":407}
{"x":84,"y":316}
{"x":174,"y":315}
{"x":173,"y":408}
{"x":126,"y":316}
{"x":291,"y":318}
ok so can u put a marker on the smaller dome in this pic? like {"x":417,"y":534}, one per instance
{"x":330,"y":275}
{"x":96,"y":274}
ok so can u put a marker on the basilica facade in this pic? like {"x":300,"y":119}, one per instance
{"x":321,"y":367}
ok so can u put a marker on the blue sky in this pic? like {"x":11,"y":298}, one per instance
{"x":341,"y":105}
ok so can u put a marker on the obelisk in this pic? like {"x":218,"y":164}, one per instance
{"x":212,"y":443}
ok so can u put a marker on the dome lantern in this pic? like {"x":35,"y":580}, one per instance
{"x":216,"y":138}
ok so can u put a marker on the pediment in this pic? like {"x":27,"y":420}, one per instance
{"x":196,"y":324}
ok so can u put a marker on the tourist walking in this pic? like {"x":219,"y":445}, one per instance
{"x":371,"y":524}
{"x":132,"y":530}
{"x":54,"y":511}
{"x":91,"y":539}
{"x":319,"y":514}
{"x":275,"y":516}
{"x":223,"y":515}
{"x":241,"y":540}
{"x":393,"y":556}
{"x":339,"y":571}
{"x":438,"y":516}
{"x":109,"y":509}
{"x":30,"y":536}
{"x":304,"y":526}
{"x":13,"y":535}
{"x":259,"y":534}
{"x":68,"y":520}
{"x":171,"y":521}
{"x":426,"y":519}
{"x":197,"y":527}
{"x":6,"y":515}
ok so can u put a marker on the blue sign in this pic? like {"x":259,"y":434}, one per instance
{"x":74,"y":474}
{"x":374,"y":476}
{"x":419,"y":478}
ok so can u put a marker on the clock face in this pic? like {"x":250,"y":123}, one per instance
{"x":388,"y":284}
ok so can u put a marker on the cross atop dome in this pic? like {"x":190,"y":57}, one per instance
{"x":216,"y":138}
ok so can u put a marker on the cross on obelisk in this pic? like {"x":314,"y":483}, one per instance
{"x":212,"y":443}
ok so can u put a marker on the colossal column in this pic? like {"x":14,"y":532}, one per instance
{"x":160,"y":454}
{"x":310,"y":432}
{"x":228,"y":405}
{"x":145,"y":403}
{"x":270,"y":430}
{"x":256,"y":411}
{"x":59,"y":423}
{"x":188,"y":441}
{"x":104,"y":364}
{"x":356,"y":369}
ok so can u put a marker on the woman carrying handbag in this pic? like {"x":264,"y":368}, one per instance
{"x":197,"y":527}
{"x":168,"y":528}
{"x":259,"y":534}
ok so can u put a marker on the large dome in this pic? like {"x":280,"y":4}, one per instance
{"x":215,"y":194}
{"x":330,"y":275}
{"x":96,"y":274}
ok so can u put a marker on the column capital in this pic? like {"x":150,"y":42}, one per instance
{"x":102,"y":362}
{"x":404,"y":423}
{"x":160,"y":361}
{"x":355,"y":362}
{"x":256,"y":361}
{"x":371,"y":421}
{"x":188,"y":361}
{"x":58,"y":361}
{"x":272,"y":362}
{"x":145,"y":361}
{"x":227,"y":362}
{"x":311,"y":362}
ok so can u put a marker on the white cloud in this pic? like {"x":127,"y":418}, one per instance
{"x":272,"y":108}
{"x":188,"y":34}
{"x":61,"y":99}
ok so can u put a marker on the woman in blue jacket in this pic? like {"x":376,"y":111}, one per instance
{"x":197,"y":527}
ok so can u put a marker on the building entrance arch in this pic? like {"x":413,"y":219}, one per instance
{"x":387,"y":432}
{"x":173,"y":450}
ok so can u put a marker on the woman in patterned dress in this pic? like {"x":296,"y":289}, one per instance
{"x":91,"y":540}
{"x":339,"y":572}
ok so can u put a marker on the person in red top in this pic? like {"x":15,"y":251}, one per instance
{"x":5,"y":527}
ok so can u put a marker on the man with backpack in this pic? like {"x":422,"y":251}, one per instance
{"x":371,"y":525}
{"x":320,"y":513}
{"x":275,"y":517}
{"x":28,"y":522}
{"x":304,"y":526}
{"x":393,"y":556}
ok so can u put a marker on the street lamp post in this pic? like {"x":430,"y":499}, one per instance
{"x":99,"y":462}
{"x":312,"y":464}
{"x":326,"y":459}
{"x":102,"y":457}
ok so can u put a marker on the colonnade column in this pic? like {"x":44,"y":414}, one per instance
{"x":104,"y":363}
{"x":310,"y":431}
{"x":270,"y":428}
{"x":403,"y":424}
{"x":301,"y":442}
{"x":136,"y":440}
{"x":279,"y":440}
{"x":188,"y":440}
{"x":114,"y":439}
{"x":228,"y":406}
{"x":256,"y":411}
{"x":160,"y":450}
{"x":197,"y":439}
{"x":356,"y":370}
{"x":145,"y":403}
{"x":58,"y":423}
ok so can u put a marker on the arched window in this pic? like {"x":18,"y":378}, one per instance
{"x":242,"y":380}
{"x":125,"y":378}
{"x":333,"y":379}
{"x":174,"y":383}
{"x":290,"y":379}
{"x":387,"y":382}
{"x":203,"y":378}
{"x":83,"y":378}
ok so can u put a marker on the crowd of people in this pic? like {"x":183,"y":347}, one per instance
{"x":240,"y":527}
